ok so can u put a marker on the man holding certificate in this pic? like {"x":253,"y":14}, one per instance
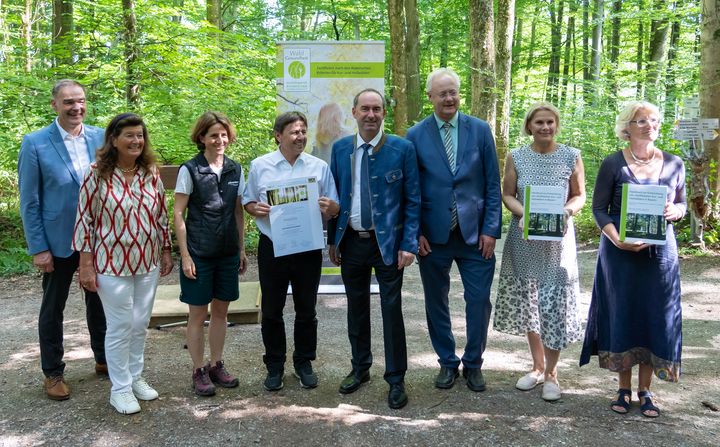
{"x":278,"y":194}
{"x":377,"y":227}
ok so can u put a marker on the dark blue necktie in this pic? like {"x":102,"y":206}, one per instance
{"x":365,"y":208}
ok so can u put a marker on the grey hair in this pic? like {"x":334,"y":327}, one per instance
{"x":62,"y":83}
{"x":628,"y":112}
{"x":439,"y":72}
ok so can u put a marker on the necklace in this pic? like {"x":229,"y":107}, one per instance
{"x":129,"y":170}
{"x":640,"y":161}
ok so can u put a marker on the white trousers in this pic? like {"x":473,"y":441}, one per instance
{"x":128,"y":303}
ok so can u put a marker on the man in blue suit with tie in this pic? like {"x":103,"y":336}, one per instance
{"x":460,"y":220}
{"x":377,"y":180}
{"x":51,"y":167}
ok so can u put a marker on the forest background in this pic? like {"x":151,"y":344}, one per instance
{"x":171,"y":60}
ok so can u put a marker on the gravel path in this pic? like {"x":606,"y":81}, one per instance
{"x":248,"y":415}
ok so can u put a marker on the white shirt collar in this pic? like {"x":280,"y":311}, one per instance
{"x":278,"y":157}
{"x":64,"y":133}
{"x":374,"y":142}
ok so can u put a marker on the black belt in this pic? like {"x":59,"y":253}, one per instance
{"x":364,"y":234}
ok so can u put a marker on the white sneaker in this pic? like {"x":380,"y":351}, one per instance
{"x":143,"y":391}
{"x":530,"y":381}
{"x":124,"y":403}
{"x":551,"y":391}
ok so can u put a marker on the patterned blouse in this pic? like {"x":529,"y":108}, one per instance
{"x":124,"y":225}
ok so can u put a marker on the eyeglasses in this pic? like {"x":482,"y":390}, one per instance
{"x":447,"y":93}
{"x":645,"y":123}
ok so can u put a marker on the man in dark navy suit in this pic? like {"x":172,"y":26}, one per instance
{"x":460,"y":220}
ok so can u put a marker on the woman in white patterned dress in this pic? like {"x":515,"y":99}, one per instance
{"x":539,"y":286}
{"x":122,"y":234}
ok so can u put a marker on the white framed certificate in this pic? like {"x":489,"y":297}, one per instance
{"x":642,"y":213}
{"x":295,"y":219}
{"x":544,"y":213}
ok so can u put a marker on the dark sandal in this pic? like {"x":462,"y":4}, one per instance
{"x":648,"y":405}
{"x":621,"y":401}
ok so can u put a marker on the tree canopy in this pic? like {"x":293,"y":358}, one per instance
{"x":171,"y":60}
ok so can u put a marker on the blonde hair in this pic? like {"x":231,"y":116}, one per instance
{"x":329,"y":124}
{"x":628,"y":113}
{"x":535,"y":108}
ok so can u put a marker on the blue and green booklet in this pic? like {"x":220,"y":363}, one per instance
{"x":641,"y":214}
{"x":544,"y":215}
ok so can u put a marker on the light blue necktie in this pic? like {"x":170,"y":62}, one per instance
{"x":447,"y":141}
{"x":365,"y":208}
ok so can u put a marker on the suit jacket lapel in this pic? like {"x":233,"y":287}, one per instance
{"x":463,"y":132}
{"x":434,"y":133}
{"x":90,"y":143}
{"x":59,"y":145}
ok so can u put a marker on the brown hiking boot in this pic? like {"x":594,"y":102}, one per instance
{"x":56,"y":388}
{"x":219,"y":376}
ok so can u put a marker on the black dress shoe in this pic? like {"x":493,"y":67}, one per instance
{"x":446,"y":378}
{"x":397,"y":398}
{"x":474,"y":379}
{"x":351,"y":383}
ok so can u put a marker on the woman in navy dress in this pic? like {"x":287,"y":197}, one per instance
{"x":635,"y":315}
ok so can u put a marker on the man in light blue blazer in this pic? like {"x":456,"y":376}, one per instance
{"x":377,"y":180}
{"x":51,"y":167}
{"x":460,"y":220}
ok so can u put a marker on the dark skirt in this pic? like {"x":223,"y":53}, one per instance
{"x":635,"y":314}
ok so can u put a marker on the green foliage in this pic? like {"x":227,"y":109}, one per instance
{"x":711,"y":234}
{"x":187,"y":66}
{"x":13,"y":256}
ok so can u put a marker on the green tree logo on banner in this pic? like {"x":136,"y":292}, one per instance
{"x":296,"y":69}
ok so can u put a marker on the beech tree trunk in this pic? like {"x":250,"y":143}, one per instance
{"x":556,"y":20}
{"x":670,"y":94}
{"x":614,"y":48}
{"x":586,"y":41}
{"x":503,"y":65}
{"x":398,"y":61}
{"x":179,"y":8}
{"x":132,"y":81}
{"x":4,"y":37}
{"x":482,"y":61}
{"x":517,"y":43}
{"x":62,"y":37}
{"x":568,"y":58}
{"x":640,"y":57}
{"x":412,"y":51}
{"x":657,"y":52}
{"x":533,"y":41}
{"x":710,"y":77}
{"x":26,"y":20}
{"x":598,"y":16}
{"x":213,"y":12}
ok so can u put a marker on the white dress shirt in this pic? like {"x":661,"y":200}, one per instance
{"x":77,"y":149}
{"x":357,"y":163}
{"x":184,"y":182}
{"x":273,"y":167}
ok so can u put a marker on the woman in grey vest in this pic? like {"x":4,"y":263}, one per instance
{"x":210,"y":238}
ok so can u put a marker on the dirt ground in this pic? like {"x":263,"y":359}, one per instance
{"x":248,"y":415}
